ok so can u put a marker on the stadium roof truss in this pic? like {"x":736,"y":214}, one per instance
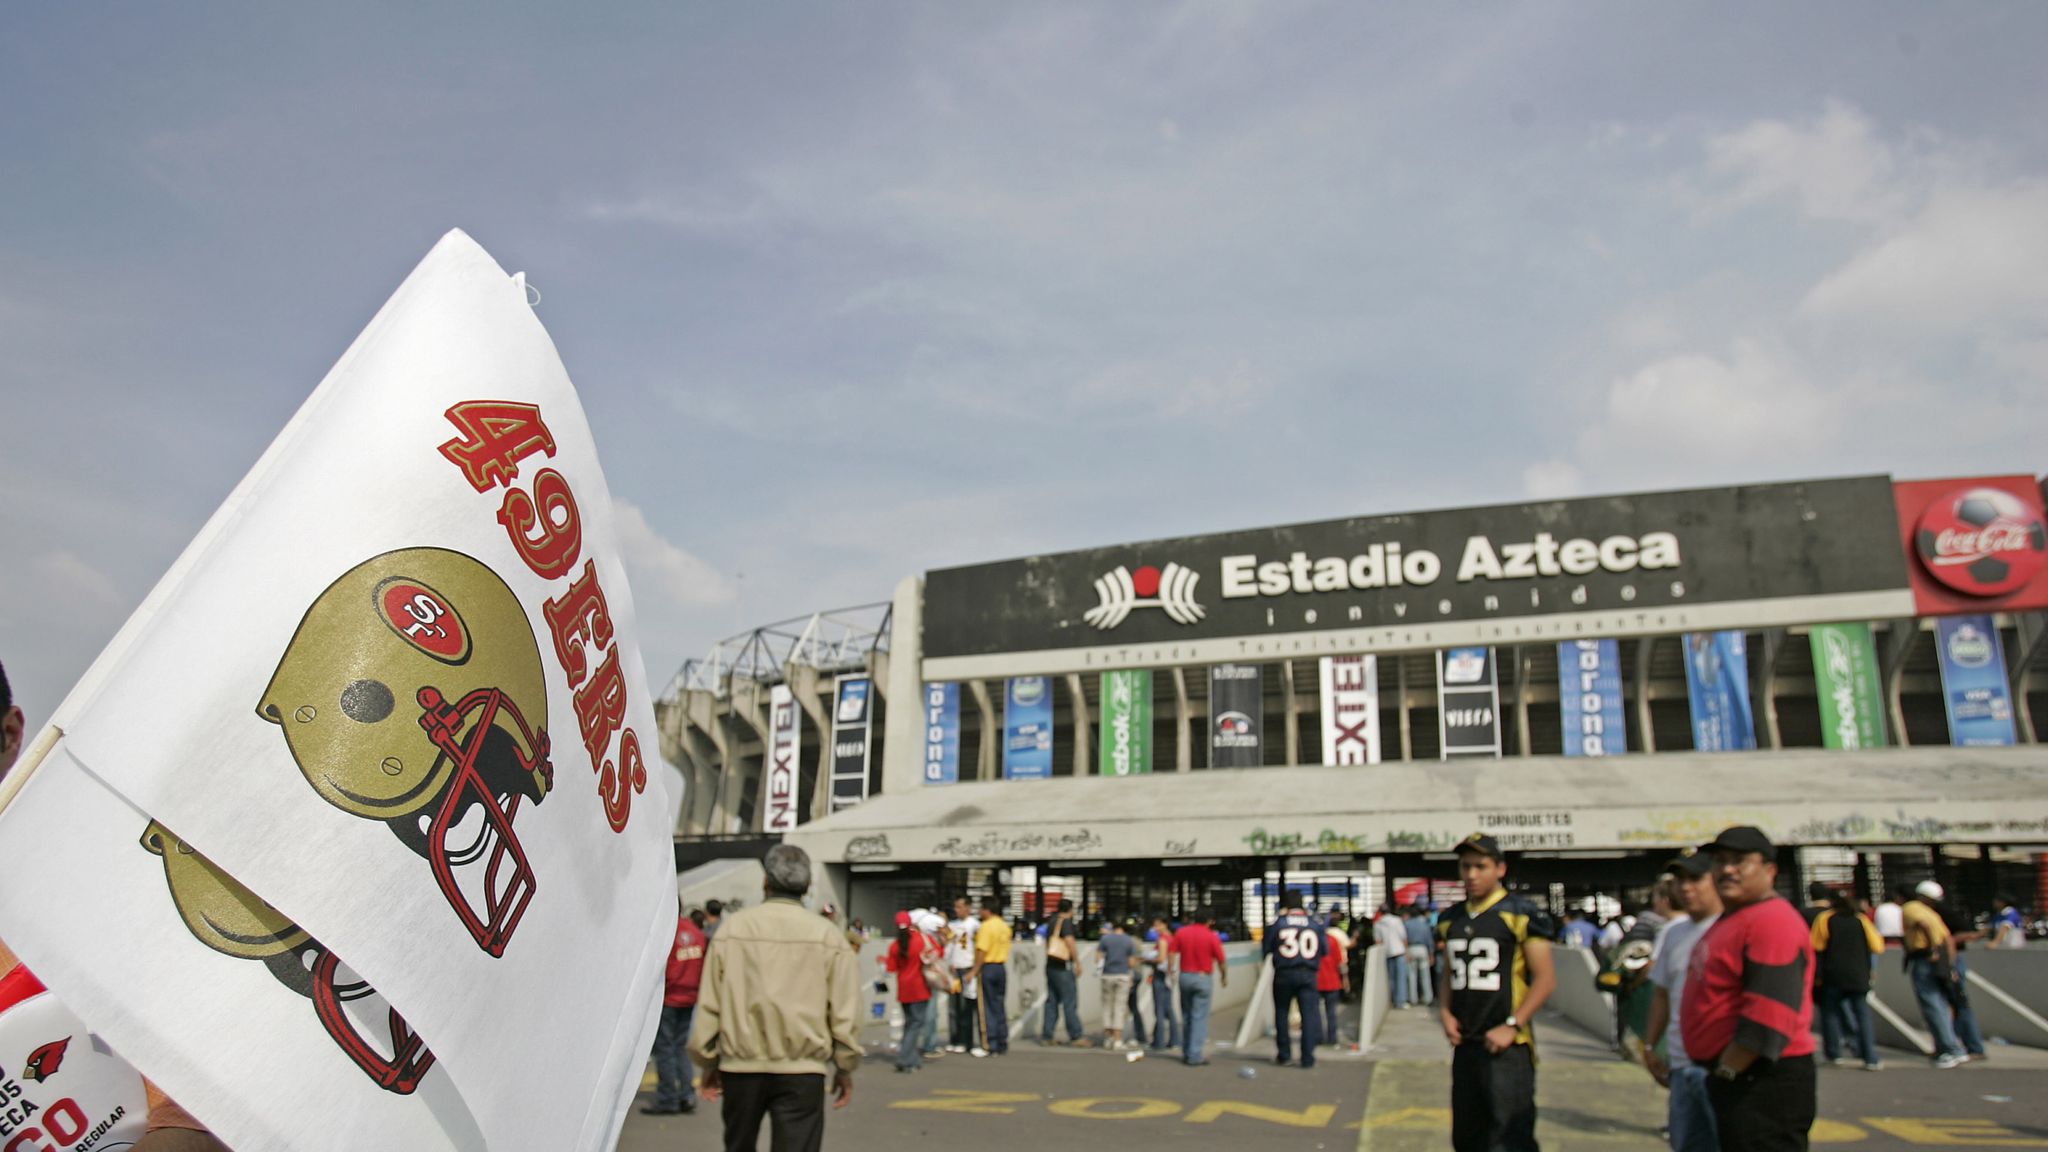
{"x":838,"y":640}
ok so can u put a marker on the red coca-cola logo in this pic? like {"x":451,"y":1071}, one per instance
{"x":1981,"y":541}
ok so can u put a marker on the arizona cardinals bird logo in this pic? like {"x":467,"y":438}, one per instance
{"x":44,"y":1062}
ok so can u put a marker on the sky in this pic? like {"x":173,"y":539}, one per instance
{"x":855,"y":291}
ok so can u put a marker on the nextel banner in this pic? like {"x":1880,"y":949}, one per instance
{"x":1706,"y":559}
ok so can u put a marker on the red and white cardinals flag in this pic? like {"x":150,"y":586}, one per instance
{"x":387,"y":707}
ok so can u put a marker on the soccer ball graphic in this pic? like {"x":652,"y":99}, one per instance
{"x":1985,"y":542}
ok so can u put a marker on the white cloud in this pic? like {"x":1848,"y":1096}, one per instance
{"x":1552,"y":480}
{"x":1836,"y":167}
{"x":662,"y":572}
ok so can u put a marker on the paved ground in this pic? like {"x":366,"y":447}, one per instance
{"x":1390,"y":1101}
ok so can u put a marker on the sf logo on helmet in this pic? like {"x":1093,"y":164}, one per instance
{"x":231,"y":920}
{"x":412,"y":693}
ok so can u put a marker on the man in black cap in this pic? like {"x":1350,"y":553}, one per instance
{"x":1747,"y":1008}
{"x":1689,"y":1117}
{"x":1496,"y":976}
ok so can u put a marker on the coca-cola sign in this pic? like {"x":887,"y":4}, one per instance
{"x":1975,"y":541}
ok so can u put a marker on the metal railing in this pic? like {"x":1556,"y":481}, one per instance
{"x":838,"y":640}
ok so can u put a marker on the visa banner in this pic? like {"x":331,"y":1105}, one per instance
{"x":1845,"y":676}
{"x":1351,"y":709}
{"x":1027,"y":728}
{"x":942,"y":733}
{"x":1589,"y":698}
{"x":852,"y":717}
{"x":1126,"y":723}
{"x":1717,"y":684}
{"x":1237,"y":715}
{"x":1973,"y":682}
{"x":1468,"y":702}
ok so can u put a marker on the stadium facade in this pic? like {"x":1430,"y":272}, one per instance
{"x":1853,"y":664}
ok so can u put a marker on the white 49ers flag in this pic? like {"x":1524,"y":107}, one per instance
{"x":356,"y":836}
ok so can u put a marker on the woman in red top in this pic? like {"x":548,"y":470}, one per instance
{"x":1333,"y":980}
{"x":906,"y":958}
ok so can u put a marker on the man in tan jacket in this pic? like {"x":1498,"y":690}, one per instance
{"x":779,"y":1008}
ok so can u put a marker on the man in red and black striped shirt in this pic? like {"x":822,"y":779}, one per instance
{"x":1748,"y":1004}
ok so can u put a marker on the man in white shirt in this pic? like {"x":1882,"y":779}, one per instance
{"x":1890,"y":918}
{"x":1391,"y":933}
{"x":1690,"y":1118}
{"x":960,"y":957}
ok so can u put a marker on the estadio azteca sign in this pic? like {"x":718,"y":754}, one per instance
{"x":1662,"y":562}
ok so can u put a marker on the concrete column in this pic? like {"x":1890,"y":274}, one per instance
{"x":903,"y":727}
{"x":1522,"y":658}
{"x":986,"y":766}
{"x":1644,"y":649}
{"x":747,"y":698}
{"x":2033,"y":637}
{"x":703,"y":786}
{"x":1291,"y":707}
{"x":705,"y":715}
{"x":1767,"y":685}
{"x":1891,"y":660}
{"x":1081,"y":745}
{"x":1401,"y":694}
{"x":1182,"y":754}
{"x":804,"y":681}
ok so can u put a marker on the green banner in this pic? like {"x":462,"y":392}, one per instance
{"x":1127,"y":723}
{"x":1845,"y":675}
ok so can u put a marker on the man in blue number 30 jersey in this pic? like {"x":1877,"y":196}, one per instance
{"x":1295,"y":943}
{"x":1497,"y":969}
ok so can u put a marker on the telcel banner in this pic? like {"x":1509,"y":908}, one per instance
{"x":1126,"y":723}
{"x":784,"y":745}
{"x":942,"y":733}
{"x":1845,"y":675}
{"x":1237,"y":715}
{"x":852,"y":720}
{"x":1351,"y":709}
{"x":1973,"y":681}
{"x":1589,"y":698}
{"x":1717,"y":681}
{"x":1027,"y":728}
{"x":1468,"y":702}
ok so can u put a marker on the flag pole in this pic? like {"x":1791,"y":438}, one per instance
{"x":31,"y":759}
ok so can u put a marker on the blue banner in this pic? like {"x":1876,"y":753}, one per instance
{"x":1589,"y":696}
{"x":1027,"y":728}
{"x":1717,"y":681}
{"x":1973,"y":682}
{"x":942,"y":733}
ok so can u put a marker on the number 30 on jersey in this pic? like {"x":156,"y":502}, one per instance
{"x":1475,"y":964}
{"x":1301,"y":942}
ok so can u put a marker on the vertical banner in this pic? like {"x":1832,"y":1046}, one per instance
{"x":942,"y":733}
{"x":1237,"y":715}
{"x":1127,"y":723}
{"x":1845,"y":677}
{"x":1468,"y":702}
{"x":1027,"y":728}
{"x":1351,"y":709}
{"x":852,"y":719}
{"x":1589,"y":697}
{"x":1717,"y":684}
{"x":1973,"y":682}
{"x":785,"y":744}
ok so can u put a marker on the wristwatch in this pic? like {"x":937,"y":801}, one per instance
{"x":1724,"y":1072}
{"x":1512,"y":1022}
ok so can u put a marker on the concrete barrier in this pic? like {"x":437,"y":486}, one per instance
{"x":1581,"y":1001}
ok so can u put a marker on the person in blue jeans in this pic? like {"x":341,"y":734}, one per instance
{"x":1930,"y":961}
{"x":1845,"y":946}
{"x":1062,"y":993}
{"x":1963,"y":930}
{"x":1199,"y":954}
{"x":1689,"y":1115}
{"x":991,"y":974}
{"x":1295,"y":944}
{"x":1159,"y":970}
{"x":1390,"y":932}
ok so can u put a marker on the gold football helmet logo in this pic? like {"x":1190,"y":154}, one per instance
{"x":405,"y":697}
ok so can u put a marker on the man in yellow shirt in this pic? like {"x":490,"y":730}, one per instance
{"x":1931,"y":961}
{"x":992,"y":970}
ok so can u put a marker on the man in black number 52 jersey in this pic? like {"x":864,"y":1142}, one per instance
{"x":1496,"y":965}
